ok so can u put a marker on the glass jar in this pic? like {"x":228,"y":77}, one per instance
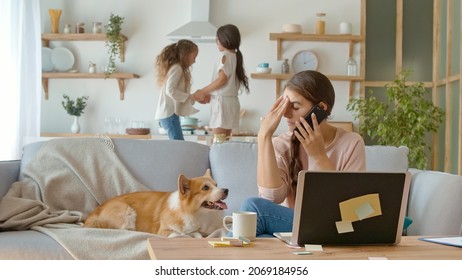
{"x":352,"y":67}
{"x":285,"y":66}
{"x":67,"y":28}
{"x":92,"y":67}
{"x":80,"y":27}
{"x":97,"y":27}
{"x":320,"y":23}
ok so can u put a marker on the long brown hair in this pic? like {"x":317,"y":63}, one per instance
{"x":316,"y":88}
{"x":176,"y":53}
{"x":230,"y":38}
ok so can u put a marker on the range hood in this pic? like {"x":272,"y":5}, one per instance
{"x":199,"y":29}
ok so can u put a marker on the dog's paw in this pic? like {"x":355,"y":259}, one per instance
{"x":174,"y":234}
{"x":195,"y":234}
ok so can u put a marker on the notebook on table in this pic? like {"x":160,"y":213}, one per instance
{"x":349,"y":208}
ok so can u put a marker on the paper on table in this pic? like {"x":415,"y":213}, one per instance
{"x":451,"y":241}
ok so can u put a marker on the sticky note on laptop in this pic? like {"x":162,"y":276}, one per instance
{"x":360,"y":208}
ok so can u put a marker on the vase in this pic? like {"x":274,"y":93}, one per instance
{"x":55,"y":14}
{"x":75,"y":128}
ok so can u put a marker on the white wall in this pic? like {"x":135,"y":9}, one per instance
{"x":146,"y":24}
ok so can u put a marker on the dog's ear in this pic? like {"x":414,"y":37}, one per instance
{"x":207,"y":173}
{"x":183,"y":184}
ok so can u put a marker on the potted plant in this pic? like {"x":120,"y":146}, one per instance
{"x":75,"y":109}
{"x":404,"y":120}
{"x":113,"y":41}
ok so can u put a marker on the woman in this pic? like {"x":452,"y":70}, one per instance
{"x":323,"y":147}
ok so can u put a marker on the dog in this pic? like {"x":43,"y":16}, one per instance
{"x":195,"y":209}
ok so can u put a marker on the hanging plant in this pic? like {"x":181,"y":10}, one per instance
{"x":113,"y":41}
{"x":74,"y":108}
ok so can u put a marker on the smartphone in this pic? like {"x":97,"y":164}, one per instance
{"x":319,"y":113}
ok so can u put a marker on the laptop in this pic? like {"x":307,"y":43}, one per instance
{"x":349,"y":208}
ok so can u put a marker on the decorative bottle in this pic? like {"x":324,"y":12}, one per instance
{"x":352,"y":67}
{"x":285,"y":66}
{"x":320,"y":23}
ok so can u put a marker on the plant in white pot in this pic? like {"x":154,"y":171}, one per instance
{"x":405,"y":120}
{"x":75,"y":109}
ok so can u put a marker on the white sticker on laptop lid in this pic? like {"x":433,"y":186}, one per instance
{"x":364,"y":211}
{"x":344,"y":226}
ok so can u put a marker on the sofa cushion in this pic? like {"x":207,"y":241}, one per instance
{"x":234,"y":166}
{"x":9,"y":172}
{"x":435,"y":203}
{"x":386,"y":158}
{"x":154,"y":163}
{"x":30,"y":245}
{"x":158,"y":163}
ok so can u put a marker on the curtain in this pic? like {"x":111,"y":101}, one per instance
{"x":20,"y":75}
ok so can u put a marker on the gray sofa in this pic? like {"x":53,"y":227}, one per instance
{"x":435,"y":200}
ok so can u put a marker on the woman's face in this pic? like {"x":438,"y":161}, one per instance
{"x":299,"y":107}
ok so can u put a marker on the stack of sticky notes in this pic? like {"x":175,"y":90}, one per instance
{"x":231,"y":242}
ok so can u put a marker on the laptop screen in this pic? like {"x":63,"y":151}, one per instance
{"x":350,"y":208}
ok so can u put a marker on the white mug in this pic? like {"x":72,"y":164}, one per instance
{"x":244,"y":224}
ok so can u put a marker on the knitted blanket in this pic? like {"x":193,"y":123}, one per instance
{"x":67,"y":179}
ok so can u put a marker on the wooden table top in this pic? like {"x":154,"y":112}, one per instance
{"x":410,"y":248}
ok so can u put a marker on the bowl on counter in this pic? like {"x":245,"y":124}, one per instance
{"x":138,"y":131}
{"x":189,"y":123}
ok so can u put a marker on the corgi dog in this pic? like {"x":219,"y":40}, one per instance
{"x":195,"y":209}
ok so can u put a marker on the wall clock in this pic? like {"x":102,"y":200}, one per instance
{"x":304,"y":60}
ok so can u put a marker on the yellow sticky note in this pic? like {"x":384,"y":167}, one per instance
{"x":229,"y":244}
{"x":360,"y":208}
{"x":344,"y":226}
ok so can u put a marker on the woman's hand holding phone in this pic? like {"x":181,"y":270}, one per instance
{"x":318,"y":112}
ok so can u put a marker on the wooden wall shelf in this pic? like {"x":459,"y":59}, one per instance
{"x":335,"y":38}
{"x":120,"y":77}
{"x":47,"y":37}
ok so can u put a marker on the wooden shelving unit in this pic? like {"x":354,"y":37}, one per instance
{"x":120,"y":77}
{"x":47,"y":37}
{"x":351,"y":40}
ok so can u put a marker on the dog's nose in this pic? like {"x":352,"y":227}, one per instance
{"x":226,"y":191}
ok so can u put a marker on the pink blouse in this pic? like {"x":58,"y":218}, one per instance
{"x":346,"y":151}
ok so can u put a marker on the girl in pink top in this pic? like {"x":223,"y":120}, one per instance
{"x":323,"y":147}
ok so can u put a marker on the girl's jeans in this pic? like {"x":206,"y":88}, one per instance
{"x":173,"y":127}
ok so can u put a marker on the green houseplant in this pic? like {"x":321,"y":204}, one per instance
{"x":75,"y":109}
{"x":113,"y":41}
{"x":404,"y":120}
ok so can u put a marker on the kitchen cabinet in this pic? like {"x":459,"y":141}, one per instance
{"x":120,"y":77}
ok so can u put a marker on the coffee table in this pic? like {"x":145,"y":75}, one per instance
{"x":410,"y":248}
